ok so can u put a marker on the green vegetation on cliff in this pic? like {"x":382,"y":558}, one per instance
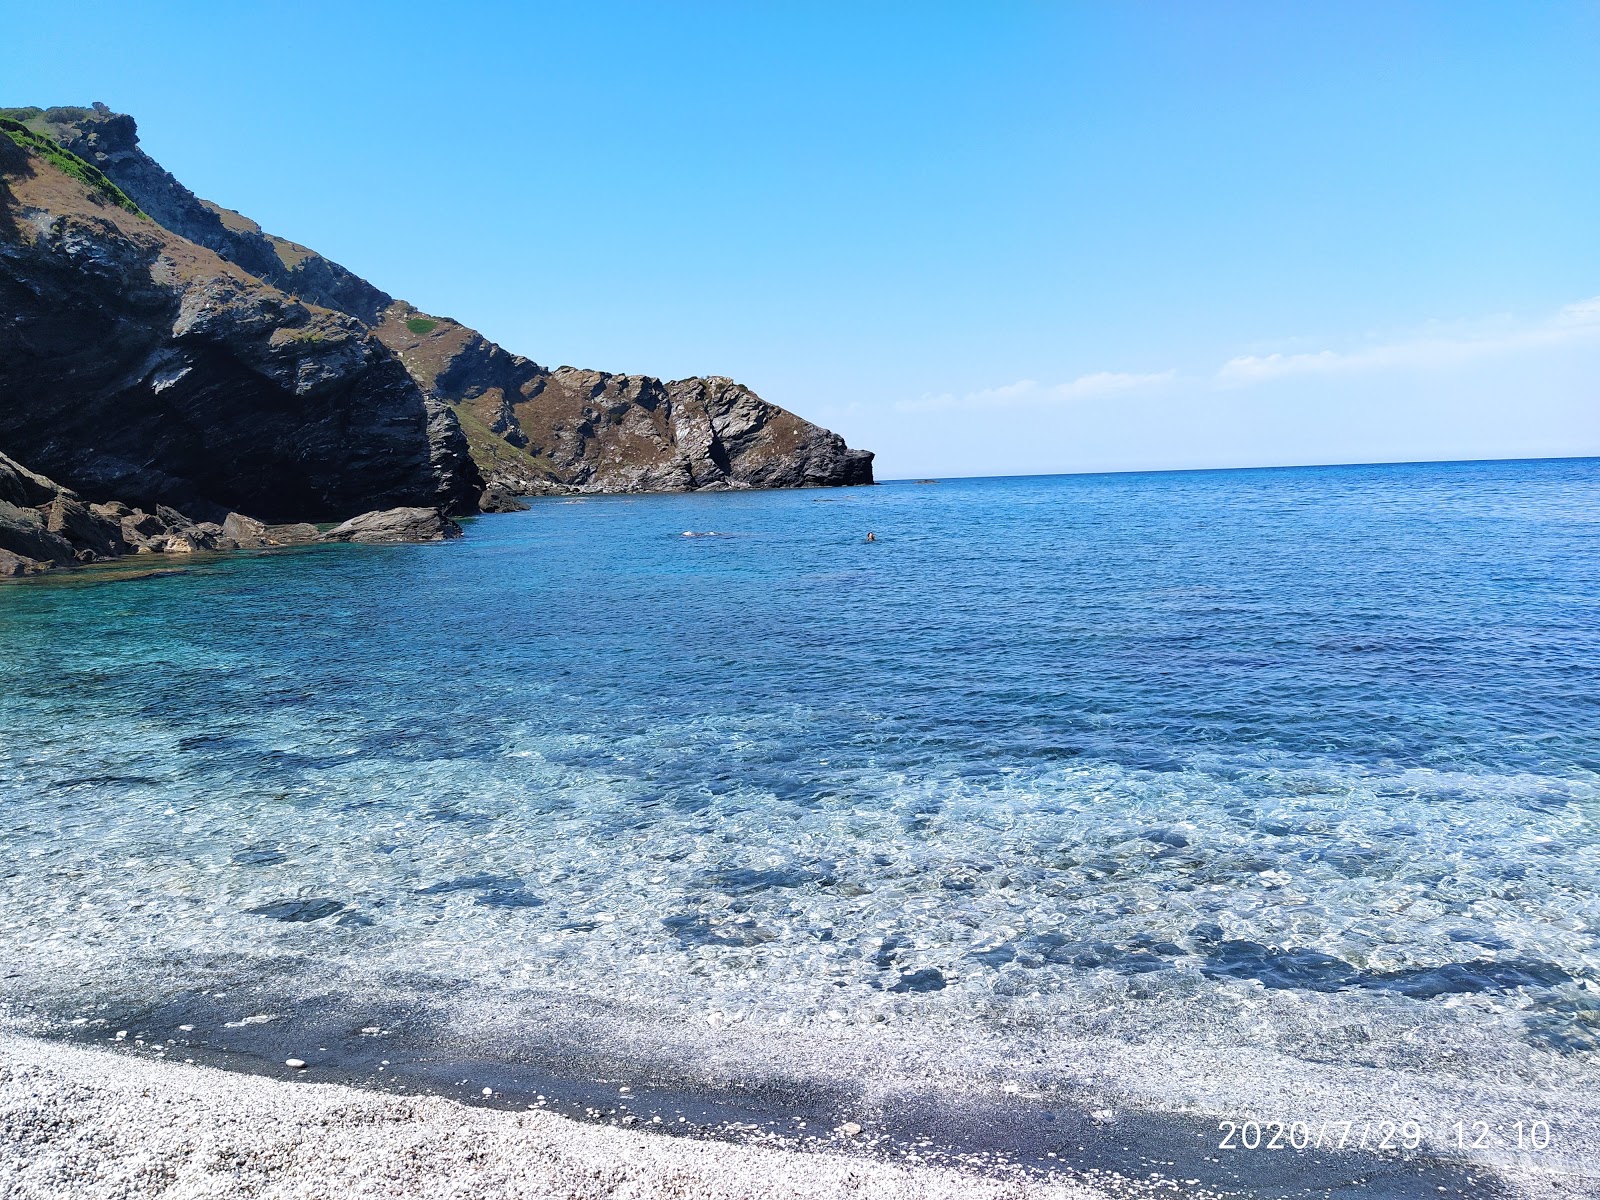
{"x":494,"y":455}
{"x":421,"y":325}
{"x":64,"y":160}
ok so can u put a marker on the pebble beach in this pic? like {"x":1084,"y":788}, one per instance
{"x":100,"y":1125}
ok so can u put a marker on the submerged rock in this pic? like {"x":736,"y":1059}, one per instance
{"x":928,"y":979}
{"x":298,"y":910}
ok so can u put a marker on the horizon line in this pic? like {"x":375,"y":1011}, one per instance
{"x":1400,"y":462}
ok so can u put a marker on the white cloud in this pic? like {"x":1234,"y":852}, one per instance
{"x":1031,"y":391}
{"x":1575,"y":322}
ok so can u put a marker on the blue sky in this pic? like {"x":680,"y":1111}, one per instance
{"x":979,"y":238}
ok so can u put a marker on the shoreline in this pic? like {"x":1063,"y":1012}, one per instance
{"x":92,"y":1123}
{"x":655,"y":1133}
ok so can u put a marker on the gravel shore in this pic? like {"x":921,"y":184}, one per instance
{"x":90,"y":1123}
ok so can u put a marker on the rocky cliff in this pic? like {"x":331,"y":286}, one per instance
{"x":530,"y":428}
{"x":139,"y":365}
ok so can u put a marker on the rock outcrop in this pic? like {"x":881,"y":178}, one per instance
{"x":530,"y":429}
{"x":44,"y":525}
{"x":396,"y":525}
{"x":139,"y":365}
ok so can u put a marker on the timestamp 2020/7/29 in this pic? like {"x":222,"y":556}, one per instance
{"x":1383,"y":1135}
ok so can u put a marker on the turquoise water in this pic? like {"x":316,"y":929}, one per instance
{"x":1172,"y":786}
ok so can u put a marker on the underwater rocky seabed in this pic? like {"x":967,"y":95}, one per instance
{"x":1258,"y":794}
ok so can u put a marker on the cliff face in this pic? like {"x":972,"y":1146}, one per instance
{"x":139,"y":365}
{"x":530,"y":429}
{"x":533,"y":429}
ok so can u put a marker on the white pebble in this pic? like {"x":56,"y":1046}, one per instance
{"x":488,"y":1091}
{"x":298,"y":1064}
{"x":850,"y":1129}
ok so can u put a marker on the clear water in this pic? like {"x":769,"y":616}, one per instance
{"x":1180,"y":787}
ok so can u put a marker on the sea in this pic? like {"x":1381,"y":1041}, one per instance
{"x":1059,"y":827}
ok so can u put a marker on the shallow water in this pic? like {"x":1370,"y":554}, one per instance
{"x":1235,"y":777}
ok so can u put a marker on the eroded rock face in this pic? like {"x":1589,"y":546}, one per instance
{"x":530,"y":429}
{"x":533,"y":430}
{"x":138,"y":365}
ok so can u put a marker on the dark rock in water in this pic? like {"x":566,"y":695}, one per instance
{"x":298,"y":910}
{"x":1481,"y":975}
{"x":995,"y":956}
{"x":396,"y":525}
{"x":1165,"y":837}
{"x":508,"y":898}
{"x":928,"y":979}
{"x":738,"y":881}
{"x":1311,"y":970}
{"x":258,"y":856}
{"x":469,"y":883}
{"x":1489,"y":941}
{"x":891,"y":951}
{"x":497,"y":499}
{"x":694,"y":929}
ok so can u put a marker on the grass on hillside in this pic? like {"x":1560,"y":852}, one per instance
{"x":64,"y":160}
{"x":421,"y":325}
{"x":491,"y":451}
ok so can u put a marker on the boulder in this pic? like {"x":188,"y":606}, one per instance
{"x":497,"y":499}
{"x":292,"y":535}
{"x":13,"y":566}
{"x":23,"y":533}
{"x":85,"y":528}
{"x":246,"y":533}
{"x":396,"y":525}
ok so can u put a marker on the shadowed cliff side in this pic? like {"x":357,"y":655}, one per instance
{"x":138,"y":365}
{"x":531,"y":429}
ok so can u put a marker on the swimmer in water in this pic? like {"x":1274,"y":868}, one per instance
{"x":871,"y":537}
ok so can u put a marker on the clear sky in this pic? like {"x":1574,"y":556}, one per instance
{"x":991,"y":237}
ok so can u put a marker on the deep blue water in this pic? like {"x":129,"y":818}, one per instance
{"x":1140,"y":757}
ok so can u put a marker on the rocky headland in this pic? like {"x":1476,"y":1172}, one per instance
{"x":167,"y":366}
